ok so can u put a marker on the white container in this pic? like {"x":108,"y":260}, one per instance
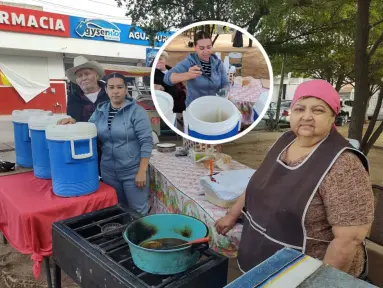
{"x":226,"y":64}
{"x":212,"y":118}
{"x":22,"y":116}
{"x":173,"y":119}
{"x":260,"y":105}
{"x":166,"y":103}
{"x":23,"y":147}
{"x":40,"y":122}
{"x":40,"y":153}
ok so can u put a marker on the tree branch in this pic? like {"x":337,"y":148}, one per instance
{"x":371,"y":126}
{"x":376,"y":89}
{"x":215,"y":38}
{"x":317,"y":74}
{"x":352,"y":83}
{"x":371,"y":88}
{"x":376,"y":24}
{"x":339,"y":82}
{"x":373,"y":138}
{"x":257,"y":16}
{"x":377,"y":67}
{"x":375,"y":46}
{"x":310,"y":32}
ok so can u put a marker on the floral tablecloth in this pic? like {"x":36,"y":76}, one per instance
{"x":174,"y":183}
{"x":244,"y":97}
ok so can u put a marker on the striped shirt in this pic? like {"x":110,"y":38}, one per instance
{"x":112,"y":113}
{"x":206,"y":67}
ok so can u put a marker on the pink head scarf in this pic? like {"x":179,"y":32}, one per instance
{"x":320,"y":89}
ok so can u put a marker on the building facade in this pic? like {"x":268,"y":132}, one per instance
{"x":36,"y":47}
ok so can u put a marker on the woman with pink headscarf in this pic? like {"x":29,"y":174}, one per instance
{"x":311,"y":193}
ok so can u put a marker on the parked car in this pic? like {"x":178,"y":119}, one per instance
{"x":284,"y":112}
{"x":346,"y":109}
{"x":345,"y":112}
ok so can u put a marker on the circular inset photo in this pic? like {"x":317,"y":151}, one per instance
{"x":211,"y":82}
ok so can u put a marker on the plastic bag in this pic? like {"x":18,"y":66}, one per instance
{"x":227,"y":185}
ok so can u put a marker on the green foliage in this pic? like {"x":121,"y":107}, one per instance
{"x":176,"y":13}
{"x":318,"y":40}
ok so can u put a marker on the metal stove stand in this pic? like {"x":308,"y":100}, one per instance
{"x":94,"y":256}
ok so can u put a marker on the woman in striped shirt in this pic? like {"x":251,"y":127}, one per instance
{"x":202,"y":71}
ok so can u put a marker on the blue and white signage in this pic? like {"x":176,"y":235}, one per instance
{"x":92,"y":28}
{"x":102,"y":30}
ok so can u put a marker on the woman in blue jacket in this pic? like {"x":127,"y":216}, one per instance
{"x":125,"y":133}
{"x":203,"y":72}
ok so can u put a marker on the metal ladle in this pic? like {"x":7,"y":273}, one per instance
{"x":157,"y":245}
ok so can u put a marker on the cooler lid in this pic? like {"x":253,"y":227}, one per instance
{"x":165,"y":101}
{"x":77,"y":131}
{"x":22,"y":116}
{"x":40,"y":122}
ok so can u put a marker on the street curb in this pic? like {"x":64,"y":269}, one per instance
{"x":7,"y":147}
{"x":7,"y":150}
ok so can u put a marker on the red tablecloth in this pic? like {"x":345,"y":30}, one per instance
{"x":28,"y":208}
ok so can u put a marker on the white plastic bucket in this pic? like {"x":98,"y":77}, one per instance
{"x":212,"y":118}
{"x":23,"y":147}
{"x":260,"y":105}
{"x":40,"y":153}
{"x":73,"y":158}
{"x":174,"y":119}
{"x":166,"y":103}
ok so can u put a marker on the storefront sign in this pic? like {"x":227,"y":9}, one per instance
{"x":97,"y":28}
{"x":138,"y":37}
{"x":101,"y":30}
{"x":15,"y":19}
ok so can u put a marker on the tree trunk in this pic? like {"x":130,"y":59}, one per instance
{"x":207,"y":29}
{"x":215,"y":38}
{"x":339,"y":82}
{"x":251,"y":30}
{"x":361,"y":71}
{"x":373,"y":139}
{"x":278,"y":110}
{"x":212,"y":30}
{"x":371,"y":126}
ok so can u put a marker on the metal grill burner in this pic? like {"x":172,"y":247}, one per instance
{"x":91,"y":250}
{"x":111,"y":230}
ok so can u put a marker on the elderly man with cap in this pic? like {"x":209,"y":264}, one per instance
{"x":87,"y":75}
{"x":312,"y":192}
